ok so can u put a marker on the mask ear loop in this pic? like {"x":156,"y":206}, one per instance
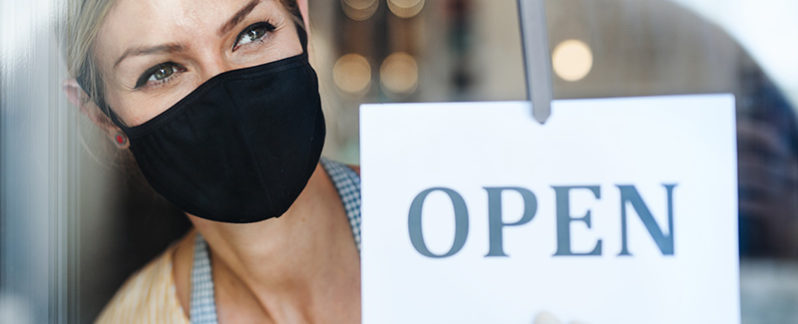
{"x":100,"y":102}
{"x":119,"y":138}
{"x":114,"y":118}
{"x":303,"y":37}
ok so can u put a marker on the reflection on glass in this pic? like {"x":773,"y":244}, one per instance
{"x":69,"y":207}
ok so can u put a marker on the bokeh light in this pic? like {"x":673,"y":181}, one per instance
{"x":572,"y":60}
{"x":399,"y":73}
{"x":405,"y":8}
{"x":352,"y":74}
{"x":359,"y":9}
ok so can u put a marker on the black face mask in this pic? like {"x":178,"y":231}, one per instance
{"x":241,"y":147}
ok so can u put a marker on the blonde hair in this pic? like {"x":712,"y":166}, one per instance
{"x":83,"y":21}
{"x":84,"y":18}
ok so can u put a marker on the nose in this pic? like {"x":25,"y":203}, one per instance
{"x":213,"y":64}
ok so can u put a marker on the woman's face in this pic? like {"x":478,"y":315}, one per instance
{"x":152,"y":53}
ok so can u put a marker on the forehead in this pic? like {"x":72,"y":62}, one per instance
{"x":154,"y":22}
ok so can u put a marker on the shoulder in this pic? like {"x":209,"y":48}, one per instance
{"x":147,"y":296}
{"x":355,"y":168}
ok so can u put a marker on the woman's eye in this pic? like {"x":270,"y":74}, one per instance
{"x":254,"y":32}
{"x":158,"y":74}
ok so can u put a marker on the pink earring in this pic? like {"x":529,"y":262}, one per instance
{"x":120,"y":140}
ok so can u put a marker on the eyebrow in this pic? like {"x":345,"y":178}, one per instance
{"x":158,"y":49}
{"x":171,"y":48}
{"x":238,"y":17}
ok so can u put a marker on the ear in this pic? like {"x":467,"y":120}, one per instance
{"x":89,"y":108}
{"x":303,"y":9}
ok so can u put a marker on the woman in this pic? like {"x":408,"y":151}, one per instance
{"x":220,"y":108}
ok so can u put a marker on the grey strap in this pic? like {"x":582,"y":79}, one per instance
{"x":347,"y":182}
{"x":203,"y":302}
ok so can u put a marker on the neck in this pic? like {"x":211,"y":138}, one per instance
{"x":287,"y":268}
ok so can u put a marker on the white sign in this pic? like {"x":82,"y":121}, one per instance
{"x":615,"y":211}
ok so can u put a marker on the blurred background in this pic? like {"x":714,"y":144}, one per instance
{"x":76,"y":218}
